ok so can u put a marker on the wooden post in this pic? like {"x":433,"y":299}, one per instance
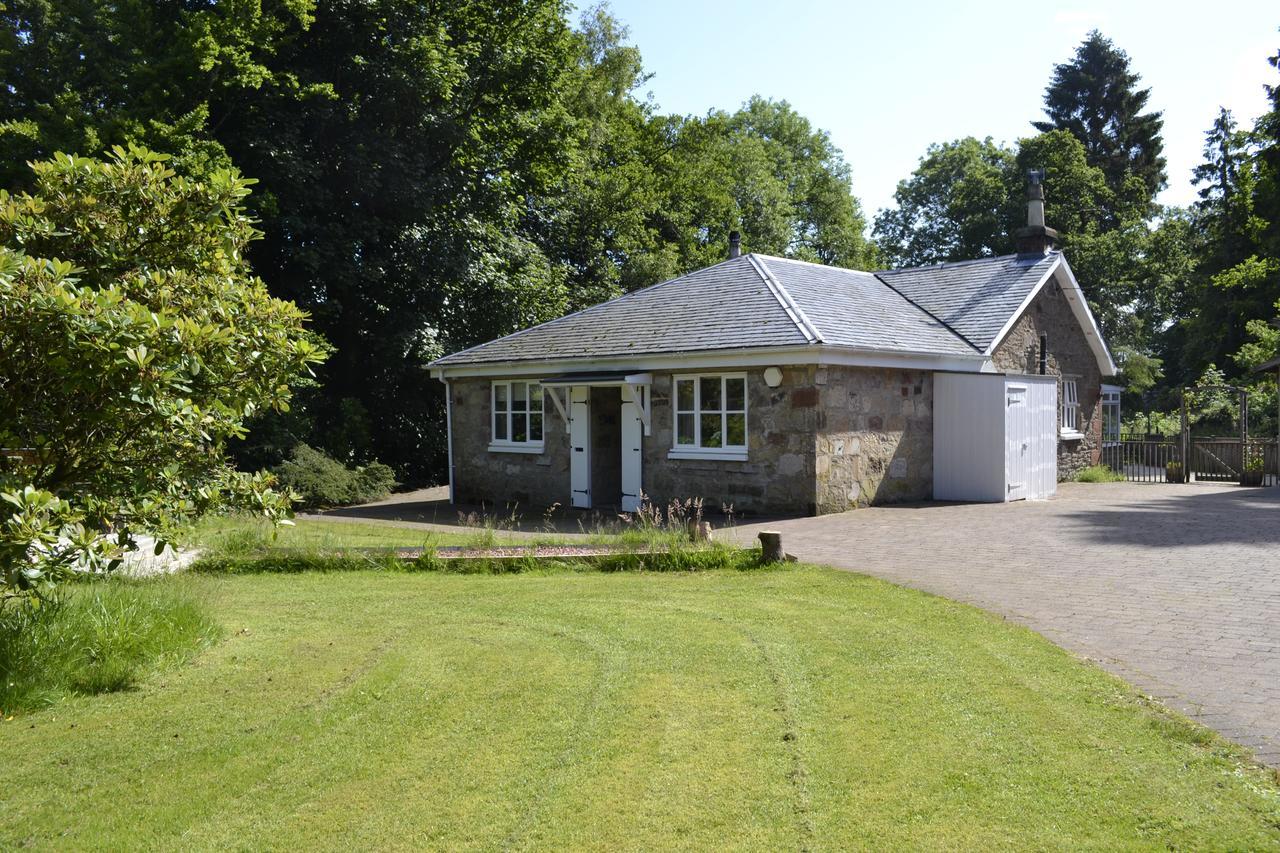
{"x":1186,"y":440}
{"x":699,"y":531}
{"x":771,"y":546}
{"x":1244,"y":436}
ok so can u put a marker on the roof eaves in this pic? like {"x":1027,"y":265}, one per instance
{"x":793,"y":310}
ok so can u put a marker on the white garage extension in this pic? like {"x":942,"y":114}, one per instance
{"x":995,"y":437}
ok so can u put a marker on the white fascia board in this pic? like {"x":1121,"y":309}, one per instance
{"x":1022,"y":309}
{"x":1079,"y":307}
{"x":760,"y":357}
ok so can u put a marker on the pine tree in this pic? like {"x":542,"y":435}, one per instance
{"x":1095,"y":96}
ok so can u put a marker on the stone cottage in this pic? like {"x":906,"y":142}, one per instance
{"x":773,"y":385}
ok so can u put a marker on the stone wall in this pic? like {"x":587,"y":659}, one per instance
{"x":778,"y":476}
{"x":1069,"y":355}
{"x":826,"y":440}
{"x":499,"y":480}
{"x":875,"y":437}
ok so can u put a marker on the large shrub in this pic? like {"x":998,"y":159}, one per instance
{"x":318,"y":480}
{"x":134,"y":342}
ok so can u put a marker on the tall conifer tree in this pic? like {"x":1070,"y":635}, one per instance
{"x":1095,"y":97}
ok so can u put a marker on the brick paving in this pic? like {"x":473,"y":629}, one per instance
{"x":1175,"y":588}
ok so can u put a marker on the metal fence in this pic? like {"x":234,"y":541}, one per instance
{"x":1142,"y":460}
{"x":1158,"y":459}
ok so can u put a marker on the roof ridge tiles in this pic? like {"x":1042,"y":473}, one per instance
{"x":964,"y":263}
{"x":789,"y":305}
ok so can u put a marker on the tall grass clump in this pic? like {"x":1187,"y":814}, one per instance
{"x":97,"y":637}
{"x":1099,"y":474}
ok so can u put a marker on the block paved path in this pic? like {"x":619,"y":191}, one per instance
{"x":1175,"y":588}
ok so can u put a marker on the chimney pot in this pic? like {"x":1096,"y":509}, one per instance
{"x":735,"y":244}
{"x":1035,"y":240}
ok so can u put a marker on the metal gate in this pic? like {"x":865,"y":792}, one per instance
{"x":1187,"y":458}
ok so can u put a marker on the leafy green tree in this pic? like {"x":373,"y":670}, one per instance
{"x":765,"y":171}
{"x":1095,"y":97}
{"x":134,"y":342}
{"x":1235,"y":279}
{"x":956,"y":205}
{"x":1107,"y":255}
{"x":431,"y":176}
{"x":84,"y":75}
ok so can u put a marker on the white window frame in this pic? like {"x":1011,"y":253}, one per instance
{"x":1070,"y":411}
{"x":733,"y":453}
{"x":1111,"y":411}
{"x":534,"y":393}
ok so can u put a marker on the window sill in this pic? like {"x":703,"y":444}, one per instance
{"x":707,"y":453}
{"x":515,"y":448}
{"x":1070,"y":435}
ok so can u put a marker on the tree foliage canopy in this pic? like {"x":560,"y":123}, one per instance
{"x":432,"y":174}
{"x":1095,"y":97}
{"x":134,"y":343}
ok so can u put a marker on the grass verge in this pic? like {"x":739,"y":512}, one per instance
{"x":1099,"y":474}
{"x":782,"y":709}
{"x":98,"y":637}
{"x":665,"y":556}
{"x":242,"y":535}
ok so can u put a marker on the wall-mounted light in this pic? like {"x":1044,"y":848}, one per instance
{"x":773,"y":376}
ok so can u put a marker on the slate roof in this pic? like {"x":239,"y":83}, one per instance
{"x":729,"y":305}
{"x":761,"y":301}
{"x":974,"y":298}
{"x":854,"y":309}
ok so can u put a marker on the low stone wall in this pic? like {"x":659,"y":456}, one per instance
{"x":875,"y":438}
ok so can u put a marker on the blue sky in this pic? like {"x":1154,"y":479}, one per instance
{"x":888,"y":78}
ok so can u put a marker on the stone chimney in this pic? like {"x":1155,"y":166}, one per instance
{"x":735,"y":244}
{"x":1035,"y":240}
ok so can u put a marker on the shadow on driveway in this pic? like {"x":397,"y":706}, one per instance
{"x":1178,"y":516}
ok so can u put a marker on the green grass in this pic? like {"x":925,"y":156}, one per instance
{"x":1099,"y":474}
{"x":778,"y":709}
{"x":678,"y":557}
{"x":243,"y":535}
{"x":97,"y":638}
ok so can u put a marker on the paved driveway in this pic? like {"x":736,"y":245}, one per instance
{"x":1175,"y":588}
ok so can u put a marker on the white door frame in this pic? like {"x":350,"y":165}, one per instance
{"x":580,"y":446}
{"x":634,"y":422}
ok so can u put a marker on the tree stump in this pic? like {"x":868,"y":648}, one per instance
{"x":771,"y":546}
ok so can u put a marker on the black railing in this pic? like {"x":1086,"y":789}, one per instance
{"x":1159,"y":459}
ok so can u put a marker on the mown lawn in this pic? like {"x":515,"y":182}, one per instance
{"x":797,"y":708}
{"x":236,"y":534}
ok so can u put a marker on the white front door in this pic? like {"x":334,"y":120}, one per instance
{"x":580,"y":446}
{"x":632,"y":433}
{"x":1017,"y":436}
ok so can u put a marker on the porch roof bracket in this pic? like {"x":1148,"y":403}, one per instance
{"x":633,"y":386}
{"x":560,"y":407}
